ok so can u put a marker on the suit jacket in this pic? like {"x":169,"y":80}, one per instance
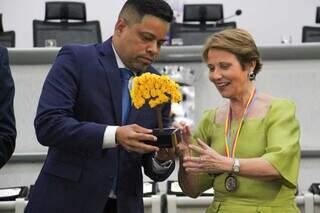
{"x":7,"y":120}
{"x":81,"y":96}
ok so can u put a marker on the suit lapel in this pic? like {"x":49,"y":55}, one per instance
{"x":108,"y":61}
{"x":114,"y":80}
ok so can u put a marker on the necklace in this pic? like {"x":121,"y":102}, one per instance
{"x":231,"y":182}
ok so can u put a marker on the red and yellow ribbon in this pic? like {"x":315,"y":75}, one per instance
{"x":227,"y":128}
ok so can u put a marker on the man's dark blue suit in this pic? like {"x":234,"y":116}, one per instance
{"x":7,"y":119}
{"x":80,"y":97}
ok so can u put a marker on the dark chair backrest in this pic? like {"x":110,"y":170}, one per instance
{"x":202,"y":12}
{"x":7,"y":38}
{"x":57,"y":29}
{"x":195,"y":34}
{"x":66,"y":33}
{"x":188,"y":33}
{"x":310,"y":34}
{"x":227,"y":25}
{"x":65,"y":11}
{"x":1,"y":27}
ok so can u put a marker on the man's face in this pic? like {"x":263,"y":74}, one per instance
{"x":139,"y":43}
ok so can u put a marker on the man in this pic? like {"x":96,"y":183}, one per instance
{"x":7,"y":120}
{"x":95,"y":154}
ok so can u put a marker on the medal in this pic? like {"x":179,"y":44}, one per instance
{"x":231,"y":183}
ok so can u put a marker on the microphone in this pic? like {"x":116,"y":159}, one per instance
{"x":237,"y":13}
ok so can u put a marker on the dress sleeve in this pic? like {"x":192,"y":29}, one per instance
{"x":283,"y":134}
{"x":204,"y":131}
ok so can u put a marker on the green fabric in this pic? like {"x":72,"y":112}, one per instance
{"x":275,"y":138}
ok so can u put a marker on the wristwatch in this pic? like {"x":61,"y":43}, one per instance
{"x":236,"y":166}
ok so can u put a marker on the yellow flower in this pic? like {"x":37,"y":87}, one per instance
{"x":154,"y":90}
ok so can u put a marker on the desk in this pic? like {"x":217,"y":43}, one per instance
{"x":305,"y":51}
{"x":151,"y":205}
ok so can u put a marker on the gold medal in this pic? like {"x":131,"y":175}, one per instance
{"x":231,"y":183}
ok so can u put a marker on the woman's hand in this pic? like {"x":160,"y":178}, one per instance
{"x":209,"y":160}
{"x":182,"y":148}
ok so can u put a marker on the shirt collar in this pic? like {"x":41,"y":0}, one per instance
{"x":118,"y":59}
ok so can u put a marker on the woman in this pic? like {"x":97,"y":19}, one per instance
{"x":247,"y":150}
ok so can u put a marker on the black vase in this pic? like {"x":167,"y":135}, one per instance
{"x":166,"y":138}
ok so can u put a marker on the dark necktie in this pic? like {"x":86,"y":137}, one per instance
{"x":126,"y":100}
{"x":126,"y":104}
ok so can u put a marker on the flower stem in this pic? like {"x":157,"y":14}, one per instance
{"x":160,"y":122}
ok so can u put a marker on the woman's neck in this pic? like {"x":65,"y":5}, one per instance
{"x":238,"y":104}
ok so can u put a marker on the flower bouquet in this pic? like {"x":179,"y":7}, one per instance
{"x":157,"y":90}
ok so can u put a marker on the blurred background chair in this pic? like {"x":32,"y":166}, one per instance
{"x":8,"y":38}
{"x":13,"y":199}
{"x":173,"y":188}
{"x":202,"y":13}
{"x":65,"y":23}
{"x":312,"y":33}
{"x":151,"y":197}
{"x":178,"y":202}
{"x":199,"y":22}
{"x":318,"y":15}
{"x":12,"y":193}
{"x":231,"y":24}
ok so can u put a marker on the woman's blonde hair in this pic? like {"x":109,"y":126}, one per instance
{"x":238,"y":42}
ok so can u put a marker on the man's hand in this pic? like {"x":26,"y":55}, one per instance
{"x":165,"y":154}
{"x":131,"y":137}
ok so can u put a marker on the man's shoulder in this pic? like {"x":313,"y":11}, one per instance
{"x":3,"y":56}
{"x":81,"y":48}
{"x":3,"y":51}
{"x":81,"y":51}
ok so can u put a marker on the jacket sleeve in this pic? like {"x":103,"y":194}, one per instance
{"x":7,"y":119}
{"x":148,"y":170}
{"x":55,"y":122}
{"x":147,"y":158}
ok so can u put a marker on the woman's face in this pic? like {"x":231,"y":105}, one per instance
{"x":227,"y":74}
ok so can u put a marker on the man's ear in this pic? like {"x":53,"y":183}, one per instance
{"x":120,"y":25}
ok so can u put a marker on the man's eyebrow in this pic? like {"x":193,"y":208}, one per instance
{"x":153,"y":36}
{"x":148,"y":34}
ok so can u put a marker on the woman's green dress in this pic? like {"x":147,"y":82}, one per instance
{"x":275,"y":138}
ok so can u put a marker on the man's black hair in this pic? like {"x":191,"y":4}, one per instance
{"x":157,"y":8}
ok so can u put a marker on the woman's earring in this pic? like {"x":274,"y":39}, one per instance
{"x":252,"y":76}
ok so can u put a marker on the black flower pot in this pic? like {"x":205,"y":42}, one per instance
{"x":166,"y":138}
